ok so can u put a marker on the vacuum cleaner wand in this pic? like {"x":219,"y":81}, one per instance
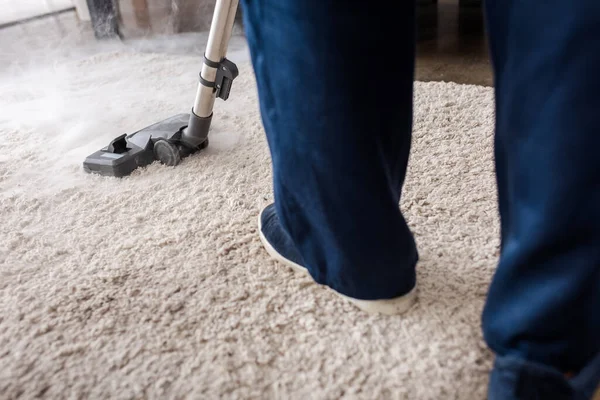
{"x":184,"y":134}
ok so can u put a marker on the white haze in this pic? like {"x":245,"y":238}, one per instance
{"x":65,"y":95}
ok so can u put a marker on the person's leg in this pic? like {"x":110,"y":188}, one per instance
{"x":337,"y":111}
{"x":542,"y":316}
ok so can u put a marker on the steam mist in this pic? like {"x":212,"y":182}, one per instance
{"x":65,"y":95}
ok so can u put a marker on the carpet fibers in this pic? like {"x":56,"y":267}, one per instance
{"x":156,"y":285}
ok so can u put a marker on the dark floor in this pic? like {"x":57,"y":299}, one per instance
{"x":451,"y":43}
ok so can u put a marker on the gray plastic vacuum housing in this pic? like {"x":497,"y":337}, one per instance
{"x":128,"y":152}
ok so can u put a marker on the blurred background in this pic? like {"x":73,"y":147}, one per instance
{"x":451,"y":40}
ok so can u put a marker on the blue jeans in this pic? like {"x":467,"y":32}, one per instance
{"x":338,"y":115}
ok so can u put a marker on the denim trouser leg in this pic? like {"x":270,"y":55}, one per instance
{"x":542,"y":315}
{"x":337,"y":112}
{"x":338,"y":117}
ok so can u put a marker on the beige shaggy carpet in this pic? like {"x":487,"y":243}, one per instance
{"x":156,"y":286}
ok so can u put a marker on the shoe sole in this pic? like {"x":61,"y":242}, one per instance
{"x":394,"y":306}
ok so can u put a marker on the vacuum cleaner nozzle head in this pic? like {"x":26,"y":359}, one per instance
{"x":160,"y":141}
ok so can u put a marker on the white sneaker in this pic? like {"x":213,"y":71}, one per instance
{"x":268,"y":225}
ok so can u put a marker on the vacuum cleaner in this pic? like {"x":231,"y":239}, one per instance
{"x":184,"y":134}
